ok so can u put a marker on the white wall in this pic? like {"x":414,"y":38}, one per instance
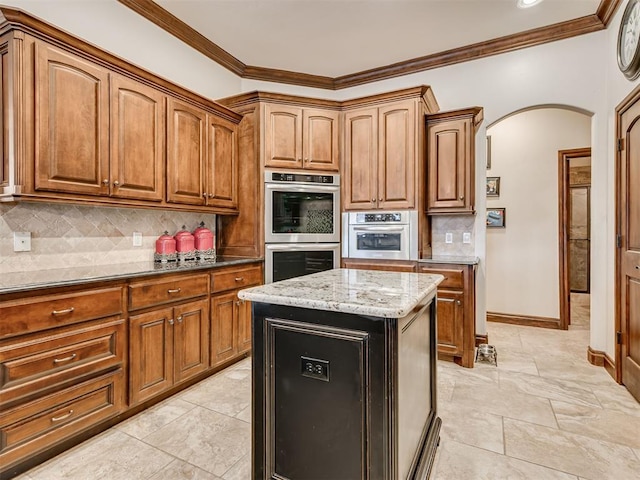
{"x":120,"y":31}
{"x":522,"y":262}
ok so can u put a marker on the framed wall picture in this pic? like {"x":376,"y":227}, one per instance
{"x":495,"y":217}
{"x":493,"y":186}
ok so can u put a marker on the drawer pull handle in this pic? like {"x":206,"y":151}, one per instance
{"x":65,"y":359}
{"x":239,"y":279}
{"x":174,"y":290}
{"x":62,"y":312}
{"x":62,"y":417}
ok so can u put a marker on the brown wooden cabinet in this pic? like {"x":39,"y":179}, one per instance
{"x":230,"y":316}
{"x":298,"y":137}
{"x":167,"y":346}
{"x":222,"y":163}
{"x":383,"y":265}
{"x":451,"y":161}
{"x":455,"y":310}
{"x":63,"y":358}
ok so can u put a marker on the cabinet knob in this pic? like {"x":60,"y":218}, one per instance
{"x":306,"y":159}
{"x":238,"y":303}
{"x":116,"y":183}
{"x":380,"y":199}
{"x":373,"y":200}
{"x":458,"y":302}
{"x":105,"y":182}
{"x":205,"y":194}
{"x":179,"y":318}
{"x":171,"y":321}
{"x":210,"y":195}
{"x":461,"y":197}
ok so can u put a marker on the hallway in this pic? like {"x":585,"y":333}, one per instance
{"x":543,"y":413}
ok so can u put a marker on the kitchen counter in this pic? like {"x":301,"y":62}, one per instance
{"x":363,"y":292}
{"x":60,"y":277}
{"x":457,"y":260}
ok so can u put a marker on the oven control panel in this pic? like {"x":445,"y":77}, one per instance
{"x":285,"y":177}
{"x":360,"y":218}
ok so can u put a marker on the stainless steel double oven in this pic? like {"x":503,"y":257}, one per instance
{"x":302,"y":223}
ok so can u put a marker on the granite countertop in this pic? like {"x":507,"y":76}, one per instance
{"x":363,"y":292}
{"x":459,"y":260}
{"x":59,"y":277}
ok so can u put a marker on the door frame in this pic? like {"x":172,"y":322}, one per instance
{"x":564,"y":190}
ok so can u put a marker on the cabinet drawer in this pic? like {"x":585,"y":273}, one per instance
{"x":453,"y":277}
{"x":157,"y":292}
{"x":40,"y":313}
{"x":32,"y":427}
{"x":237,"y":278}
{"x":35,"y":362}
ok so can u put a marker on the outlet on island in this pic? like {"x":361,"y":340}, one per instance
{"x":314,"y":368}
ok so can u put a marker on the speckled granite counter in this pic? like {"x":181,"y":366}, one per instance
{"x":457,"y":260}
{"x":364,"y":292}
{"x":26,"y":281}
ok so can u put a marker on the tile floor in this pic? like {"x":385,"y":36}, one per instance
{"x":542,"y":413}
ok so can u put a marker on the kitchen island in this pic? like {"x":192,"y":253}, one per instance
{"x":344,"y":376}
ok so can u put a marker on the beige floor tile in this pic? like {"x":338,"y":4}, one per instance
{"x":576,"y":454}
{"x":598,"y":423}
{"x":241,"y":470}
{"x":511,"y":360}
{"x":151,"y":420}
{"x":481,"y":375}
{"x":245,"y":414}
{"x":456,"y":461}
{"x":113,"y":456}
{"x":505,"y":402}
{"x":471,"y":427}
{"x":577,"y":370}
{"x":179,"y":470}
{"x":207,"y":439}
{"x":228,"y":393}
{"x":617,"y":398}
{"x":552,"y":388}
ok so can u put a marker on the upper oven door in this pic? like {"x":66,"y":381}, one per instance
{"x":379,"y":241}
{"x":301,"y":213}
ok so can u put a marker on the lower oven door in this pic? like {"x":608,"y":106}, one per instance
{"x":288,"y":260}
{"x":381,"y":242}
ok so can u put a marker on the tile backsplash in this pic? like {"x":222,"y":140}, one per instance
{"x":456,"y":225}
{"x":70,"y":235}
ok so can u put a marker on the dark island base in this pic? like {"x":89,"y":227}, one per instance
{"x":341,"y":396}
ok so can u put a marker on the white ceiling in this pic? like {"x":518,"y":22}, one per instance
{"x":340,"y":37}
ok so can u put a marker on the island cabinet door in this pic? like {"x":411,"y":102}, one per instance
{"x":244,"y":327}
{"x":224,"y":311}
{"x":450,"y":314}
{"x":72,"y":123}
{"x":150,"y":354}
{"x":191,"y":339}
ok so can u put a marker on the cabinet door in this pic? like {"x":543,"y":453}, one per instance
{"x":137,"y":140}
{"x":244,"y":327}
{"x":320,"y":139}
{"x":397,"y":163}
{"x":72,"y":123}
{"x":191,"y":339}
{"x":222,"y":163}
{"x":450,"y":312}
{"x":283,"y":136}
{"x":186,"y":153}
{"x":223,"y":320}
{"x":360,"y":159}
{"x":449,"y":155}
{"x":150,"y":354}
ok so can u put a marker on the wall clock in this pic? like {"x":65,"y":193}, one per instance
{"x":629,"y":41}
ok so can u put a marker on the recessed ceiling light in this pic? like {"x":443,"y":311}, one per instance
{"x":527,"y":3}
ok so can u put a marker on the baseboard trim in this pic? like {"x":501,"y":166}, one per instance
{"x":524,"y":320}
{"x":482,"y":339}
{"x":601,"y":359}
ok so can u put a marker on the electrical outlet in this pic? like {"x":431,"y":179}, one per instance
{"x":466,"y":237}
{"x":21,"y":241}
{"x":137,"y":239}
{"x":314,"y":368}
{"x":448,"y":237}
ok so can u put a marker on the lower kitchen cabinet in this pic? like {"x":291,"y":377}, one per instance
{"x":167,"y":346}
{"x":230,"y":316}
{"x":384,"y":265}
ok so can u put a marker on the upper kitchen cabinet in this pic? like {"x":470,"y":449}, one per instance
{"x":80,"y":125}
{"x":384,"y":150}
{"x":297,"y":137}
{"x":451,"y":161}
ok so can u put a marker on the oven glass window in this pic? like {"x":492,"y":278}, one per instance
{"x":299,"y":212}
{"x":380,"y":241}
{"x":295,"y":264}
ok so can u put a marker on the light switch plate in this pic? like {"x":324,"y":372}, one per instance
{"x":21,"y":241}
{"x":448,"y":237}
{"x":137,"y":239}
{"x":466,"y":237}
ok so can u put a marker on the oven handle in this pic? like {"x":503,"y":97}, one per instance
{"x":302,"y":246}
{"x":378,"y":229}
{"x":303,"y":189}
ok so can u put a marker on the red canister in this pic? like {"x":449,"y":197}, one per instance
{"x":185,"y":244}
{"x":165,"y":249}
{"x":204,"y":243}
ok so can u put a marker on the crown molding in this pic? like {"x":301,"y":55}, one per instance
{"x":538,"y":36}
